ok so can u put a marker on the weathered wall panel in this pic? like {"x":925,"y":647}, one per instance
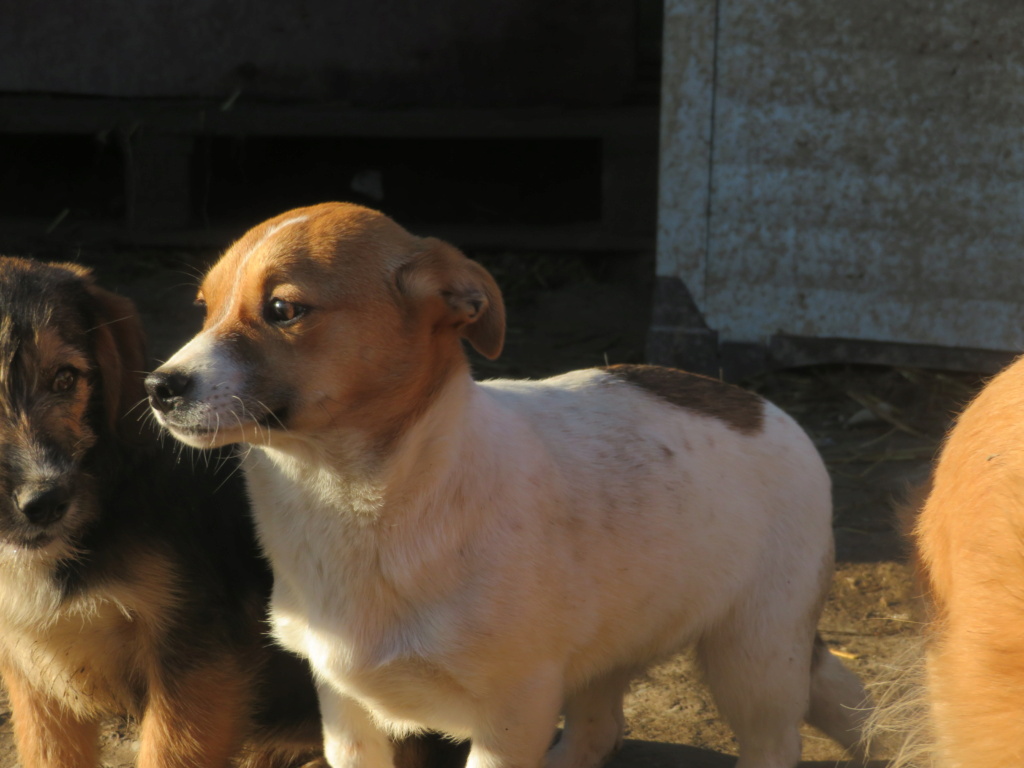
{"x":686,"y":112}
{"x":866,"y":174}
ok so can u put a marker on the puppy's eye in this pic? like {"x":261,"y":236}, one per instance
{"x":64,"y":380}
{"x":281,"y":312}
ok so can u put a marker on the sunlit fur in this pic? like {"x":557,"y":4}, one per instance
{"x":969,"y":550}
{"x":479,"y":558}
{"x":143,"y":594}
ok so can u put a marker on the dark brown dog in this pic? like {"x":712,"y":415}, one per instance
{"x":130,"y":582}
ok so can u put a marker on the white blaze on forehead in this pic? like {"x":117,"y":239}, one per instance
{"x":280,"y":225}
{"x":229,"y":308}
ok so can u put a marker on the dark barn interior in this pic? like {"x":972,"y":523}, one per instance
{"x":509,"y":122}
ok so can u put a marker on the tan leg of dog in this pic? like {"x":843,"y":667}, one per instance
{"x":594,"y":724}
{"x":48,"y":735}
{"x":195,"y":721}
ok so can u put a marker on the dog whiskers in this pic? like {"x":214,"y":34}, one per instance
{"x":110,"y":322}
{"x":145,"y":412}
{"x":230,"y":475}
{"x":193,"y":273}
{"x":271,"y":413}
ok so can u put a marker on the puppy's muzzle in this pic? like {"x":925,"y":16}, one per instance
{"x":167,"y":391}
{"x":43,"y":505}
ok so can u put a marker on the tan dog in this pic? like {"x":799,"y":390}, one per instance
{"x":478,"y":558}
{"x":969,"y":540}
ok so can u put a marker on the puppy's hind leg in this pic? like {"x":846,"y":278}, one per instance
{"x":594,"y":724}
{"x":839,"y":704}
{"x":759,"y":676}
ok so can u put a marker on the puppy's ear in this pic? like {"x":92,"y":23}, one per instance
{"x":471,"y":299}
{"x":120,"y":349}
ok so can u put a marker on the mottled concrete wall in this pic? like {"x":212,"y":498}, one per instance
{"x":686,"y":113}
{"x":866,"y":168}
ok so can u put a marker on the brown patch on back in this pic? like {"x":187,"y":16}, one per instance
{"x":738,"y":409}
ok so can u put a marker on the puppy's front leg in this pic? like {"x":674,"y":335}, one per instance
{"x":517,"y":729}
{"x":195,"y":720}
{"x":47,"y":733}
{"x":351,"y":738}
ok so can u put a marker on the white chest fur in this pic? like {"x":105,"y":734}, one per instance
{"x":341,"y":595}
{"x":74,"y":650}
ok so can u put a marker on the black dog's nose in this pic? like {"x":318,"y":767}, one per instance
{"x":42,"y":506}
{"x":166,"y":389}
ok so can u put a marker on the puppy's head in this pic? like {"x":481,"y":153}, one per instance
{"x":71,"y":361}
{"x":323,"y":319}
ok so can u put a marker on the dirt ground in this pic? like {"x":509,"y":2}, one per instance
{"x":877,"y":429}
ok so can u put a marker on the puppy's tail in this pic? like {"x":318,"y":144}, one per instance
{"x":839,"y":705}
{"x":901,"y":724}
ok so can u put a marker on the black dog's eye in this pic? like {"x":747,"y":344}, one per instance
{"x":281,"y":312}
{"x":65,"y":380}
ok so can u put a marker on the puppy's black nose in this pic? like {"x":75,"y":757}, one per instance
{"x":167,"y":389}
{"x":43,"y":506}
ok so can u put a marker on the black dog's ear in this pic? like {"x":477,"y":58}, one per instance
{"x":120,"y":348}
{"x":472,"y":300}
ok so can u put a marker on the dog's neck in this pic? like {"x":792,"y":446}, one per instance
{"x":346,"y":470}
{"x":384,"y":531}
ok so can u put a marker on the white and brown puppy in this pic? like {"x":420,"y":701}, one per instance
{"x":477,"y":558}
